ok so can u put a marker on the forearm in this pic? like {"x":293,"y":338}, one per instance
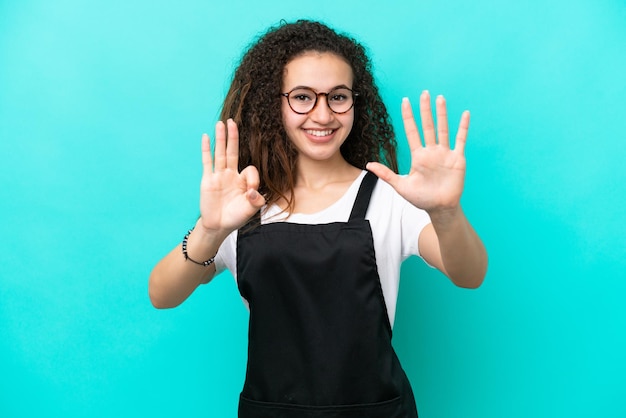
{"x":463,"y":255}
{"x":174,"y":278}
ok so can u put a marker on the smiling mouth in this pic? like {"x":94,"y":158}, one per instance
{"x":319,"y":133}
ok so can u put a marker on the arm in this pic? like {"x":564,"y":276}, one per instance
{"x":451,"y":245}
{"x":228,"y":198}
{"x":173,"y":279}
{"x":435,"y":184}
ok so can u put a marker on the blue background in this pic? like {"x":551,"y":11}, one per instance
{"x":102,"y":105}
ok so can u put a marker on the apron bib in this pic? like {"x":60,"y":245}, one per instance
{"x":319,"y":334}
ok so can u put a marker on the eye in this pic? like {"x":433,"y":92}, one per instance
{"x":302,"y":96}
{"x":339,"y":96}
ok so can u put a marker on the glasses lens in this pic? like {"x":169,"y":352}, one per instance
{"x":302,"y":100}
{"x":340,"y":100}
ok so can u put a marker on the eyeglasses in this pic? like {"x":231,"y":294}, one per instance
{"x":302,"y":100}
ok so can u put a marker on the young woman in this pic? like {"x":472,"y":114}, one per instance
{"x":292,"y":205}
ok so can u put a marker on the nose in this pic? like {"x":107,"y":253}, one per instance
{"x":321,"y":113}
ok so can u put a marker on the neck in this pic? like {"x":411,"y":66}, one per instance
{"x":317,"y":174}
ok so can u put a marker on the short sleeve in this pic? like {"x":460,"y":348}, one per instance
{"x":226,"y":258}
{"x":413,"y":221}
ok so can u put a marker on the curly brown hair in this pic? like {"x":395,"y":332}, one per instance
{"x":254,"y":103}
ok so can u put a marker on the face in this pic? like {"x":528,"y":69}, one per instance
{"x":317,"y":135}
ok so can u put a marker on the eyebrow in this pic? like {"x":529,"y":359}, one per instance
{"x":340,"y":86}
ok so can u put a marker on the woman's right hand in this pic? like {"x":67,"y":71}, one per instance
{"x":228,"y":198}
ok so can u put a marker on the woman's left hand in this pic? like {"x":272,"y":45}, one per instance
{"x":435,"y":181}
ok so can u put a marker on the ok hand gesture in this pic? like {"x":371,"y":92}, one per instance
{"x":435,"y":181}
{"x":228,"y":198}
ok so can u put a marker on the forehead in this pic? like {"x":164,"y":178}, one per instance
{"x":318,"y":70}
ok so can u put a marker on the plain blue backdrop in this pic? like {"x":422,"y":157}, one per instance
{"x":102,"y":105}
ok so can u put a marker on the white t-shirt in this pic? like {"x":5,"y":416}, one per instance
{"x":396,"y":225}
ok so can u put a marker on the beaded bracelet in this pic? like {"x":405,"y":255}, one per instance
{"x":200,"y":263}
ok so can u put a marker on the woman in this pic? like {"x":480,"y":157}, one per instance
{"x":291,"y":205}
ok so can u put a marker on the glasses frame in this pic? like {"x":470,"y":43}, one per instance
{"x":317,"y":96}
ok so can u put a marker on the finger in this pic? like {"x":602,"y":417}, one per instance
{"x":410,"y":128}
{"x":461,"y":135}
{"x":442,"y":122}
{"x":384,"y":173}
{"x":255,"y":198}
{"x":207,"y":159}
{"x":251,"y":177}
{"x":232,"y":145}
{"x":220,"y":146}
{"x":428,"y":126}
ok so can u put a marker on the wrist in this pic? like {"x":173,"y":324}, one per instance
{"x":200,"y":245}
{"x":443,"y":218}
{"x":204,"y":263}
{"x":208,"y":235}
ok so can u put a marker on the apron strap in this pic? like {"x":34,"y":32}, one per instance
{"x":252,"y":224}
{"x":363,"y":197}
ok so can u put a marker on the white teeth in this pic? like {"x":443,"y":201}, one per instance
{"x":319,"y":133}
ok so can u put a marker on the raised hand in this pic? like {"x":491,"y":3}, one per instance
{"x":435,"y":180}
{"x":228,"y":198}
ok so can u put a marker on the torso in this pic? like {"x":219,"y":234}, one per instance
{"x":319,"y":337}
{"x":395,"y":224}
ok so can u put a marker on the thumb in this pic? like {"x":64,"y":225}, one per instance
{"x":383,"y":172}
{"x":255,"y":198}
